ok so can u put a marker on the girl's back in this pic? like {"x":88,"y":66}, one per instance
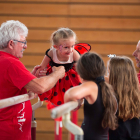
{"x":93,"y":116}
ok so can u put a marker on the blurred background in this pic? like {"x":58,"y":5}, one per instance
{"x":109,"y":26}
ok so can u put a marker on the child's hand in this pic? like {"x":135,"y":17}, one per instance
{"x":42,"y":72}
{"x":60,"y":71}
{"x":35,"y":69}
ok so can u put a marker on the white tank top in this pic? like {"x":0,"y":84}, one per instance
{"x":55,"y":59}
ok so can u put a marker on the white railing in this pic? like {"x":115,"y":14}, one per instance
{"x":22,"y":98}
{"x":16,"y":100}
{"x":64,"y":111}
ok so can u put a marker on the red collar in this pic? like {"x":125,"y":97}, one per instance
{"x":7,"y":54}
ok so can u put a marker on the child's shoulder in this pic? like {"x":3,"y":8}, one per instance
{"x":49,"y":53}
{"x":76,"y":55}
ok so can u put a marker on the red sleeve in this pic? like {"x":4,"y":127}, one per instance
{"x":138,"y":76}
{"x":19,"y":75}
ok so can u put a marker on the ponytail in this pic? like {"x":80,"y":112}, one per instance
{"x":110,"y":104}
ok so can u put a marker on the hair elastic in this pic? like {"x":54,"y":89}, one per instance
{"x":99,"y":79}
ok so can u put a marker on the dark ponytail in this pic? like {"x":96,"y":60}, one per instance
{"x":110,"y":104}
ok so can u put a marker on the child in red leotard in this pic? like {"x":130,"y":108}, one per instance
{"x":63,"y":52}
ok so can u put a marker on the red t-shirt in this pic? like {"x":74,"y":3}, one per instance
{"x":15,"y":121}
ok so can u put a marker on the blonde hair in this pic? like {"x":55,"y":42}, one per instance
{"x":124,"y":80}
{"x":62,"y":33}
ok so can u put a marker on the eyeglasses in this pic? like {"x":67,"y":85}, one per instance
{"x":24,"y":42}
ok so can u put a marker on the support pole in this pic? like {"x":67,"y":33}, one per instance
{"x":74,"y":129}
{"x":33,"y":127}
{"x":74,"y":117}
{"x":34,"y":124}
{"x":64,"y":111}
{"x":58,"y":130}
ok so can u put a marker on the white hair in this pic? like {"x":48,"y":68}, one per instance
{"x":11,"y":30}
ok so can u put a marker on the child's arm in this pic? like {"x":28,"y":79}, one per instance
{"x":44,"y":63}
{"x":76,"y":56}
